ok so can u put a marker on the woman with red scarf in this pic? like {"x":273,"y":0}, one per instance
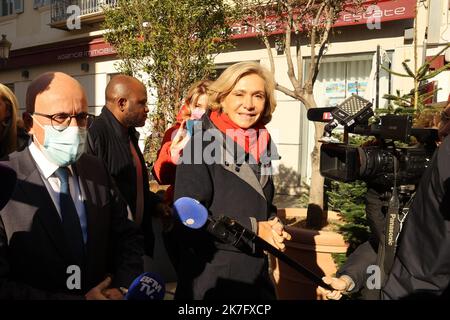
{"x":176,"y":137}
{"x":227,"y":167}
{"x":174,"y":140}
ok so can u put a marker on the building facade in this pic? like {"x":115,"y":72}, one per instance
{"x":47,"y":36}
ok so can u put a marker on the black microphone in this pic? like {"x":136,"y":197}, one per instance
{"x":147,"y":286}
{"x":8,"y":180}
{"x":320,"y":114}
{"x":194,"y":215}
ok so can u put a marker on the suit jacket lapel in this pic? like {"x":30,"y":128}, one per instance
{"x":35,"y":190}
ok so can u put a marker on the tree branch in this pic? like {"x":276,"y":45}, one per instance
{"x":323,"y":45}
{"x":290,"y":93}
{"x":313,"y":63}
{"x":269,"y":52}
{"x":288,"y":31}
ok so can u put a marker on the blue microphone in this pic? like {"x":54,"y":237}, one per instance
{"x":8,"y":182}
{"x":194,"y":215}
{"x":148,"y":286}
{"x":191,"y":212}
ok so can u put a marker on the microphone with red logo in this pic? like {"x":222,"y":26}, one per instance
{"x":320,"y":114}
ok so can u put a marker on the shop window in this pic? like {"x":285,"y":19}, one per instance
{"x":40,"y":3}
{"x":9,"y":7}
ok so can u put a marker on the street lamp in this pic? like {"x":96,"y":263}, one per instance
{"x":5,"y":47}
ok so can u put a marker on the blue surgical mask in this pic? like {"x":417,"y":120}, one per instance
{"x":63,"y":147}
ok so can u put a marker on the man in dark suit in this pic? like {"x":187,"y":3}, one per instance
{"x":114,"y":139}
{"x":64,"y":234}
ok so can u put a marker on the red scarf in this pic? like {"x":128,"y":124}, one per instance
{"x":253,"y":140}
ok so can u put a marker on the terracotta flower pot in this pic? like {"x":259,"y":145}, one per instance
{"x":310,"y":248}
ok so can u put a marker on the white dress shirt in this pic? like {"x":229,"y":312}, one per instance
{"x":47,"y":171}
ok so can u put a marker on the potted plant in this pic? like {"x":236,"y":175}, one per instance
{"x":321,"y":251}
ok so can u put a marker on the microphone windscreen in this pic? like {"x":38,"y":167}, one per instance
{"x":8,"y":179}
{"x":148,"y":286}
{"x":191,"y":212}
{"x":320,"y":114}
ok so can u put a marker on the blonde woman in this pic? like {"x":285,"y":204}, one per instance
{"x":175,"y":138}
{"x":8,"y":118}
{"x":242,"y":102}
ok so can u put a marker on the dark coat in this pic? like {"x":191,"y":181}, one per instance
{"x":422,"y":264}
{"x":34,"y":255}
{"x":210,"y":269}
{"x":109,"y":141}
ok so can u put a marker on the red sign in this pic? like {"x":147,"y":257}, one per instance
{"x":57,"y":52}
{"x":96,"y":48}
{"x":380,"y":12}
{"x":373,"y":14}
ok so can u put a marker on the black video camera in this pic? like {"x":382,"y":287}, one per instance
{"x":375,"y":163}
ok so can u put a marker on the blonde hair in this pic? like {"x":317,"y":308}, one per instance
{"x":9,"y":144}
{"x":196,"y":90}
{"x":220,"y":88}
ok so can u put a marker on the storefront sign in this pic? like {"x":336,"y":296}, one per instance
{"x":66,"y":51}
{"x":93,"y":49}
{"x":380,"y":11}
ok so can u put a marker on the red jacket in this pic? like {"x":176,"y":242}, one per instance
{"x":164,"y":169}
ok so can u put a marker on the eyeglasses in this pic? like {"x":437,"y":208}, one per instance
{"x":60,"y":121}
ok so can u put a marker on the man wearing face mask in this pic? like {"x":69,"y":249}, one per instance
{"x":64,"y":234}
{"x":114,"y":139}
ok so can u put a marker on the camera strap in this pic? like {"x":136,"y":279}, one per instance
{"x":392,"y":231}
{"x":386,"y":248}
{"x":394,"y":224}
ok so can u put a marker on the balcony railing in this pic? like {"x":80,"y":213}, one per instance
{"x":90,"y":11}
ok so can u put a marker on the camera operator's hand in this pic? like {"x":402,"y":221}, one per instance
{"x":341,"y":285}
{"x":273,"y":232}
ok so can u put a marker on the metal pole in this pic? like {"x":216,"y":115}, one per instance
{"x":377,"y":90}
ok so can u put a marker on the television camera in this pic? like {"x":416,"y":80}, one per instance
{"x":384,"y":163}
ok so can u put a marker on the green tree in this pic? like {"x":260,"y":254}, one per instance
{"x":173,"y":42}
{"x":414,"y":102}
{"x":304,"y":22}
